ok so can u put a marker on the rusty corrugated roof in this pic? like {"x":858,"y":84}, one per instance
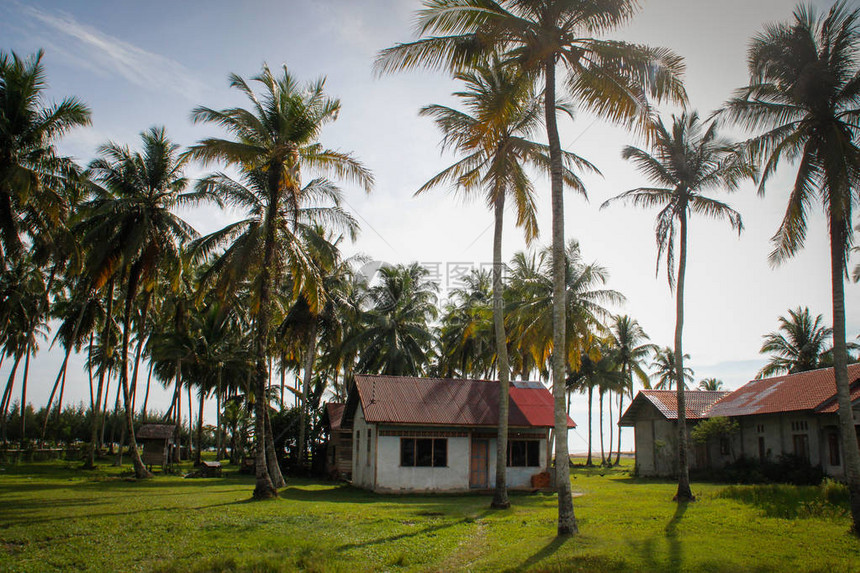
{"x":697,"y":403}
{"x":156,"y":431}
{"x":450,"y":402}
{"x":789,"y":393}
{"x":334,"y":410}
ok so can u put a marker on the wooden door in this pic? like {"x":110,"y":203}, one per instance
{"x":478,"y":468}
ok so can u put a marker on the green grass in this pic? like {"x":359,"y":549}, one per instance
{"x":55,"y":517}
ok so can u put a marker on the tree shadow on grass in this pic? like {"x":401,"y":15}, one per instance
{"x":674,"y":559}
{"x":7,"y":521}
{"x":544,"y":552}
{"x":430,"y":529}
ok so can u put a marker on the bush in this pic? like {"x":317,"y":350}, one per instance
{"x":788,"y":469}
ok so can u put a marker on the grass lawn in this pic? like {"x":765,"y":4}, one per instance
{"x":55,"y":517}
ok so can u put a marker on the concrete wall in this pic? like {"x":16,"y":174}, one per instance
{"x":656,"y":441}
{"x":382,"y":472}
{"x":363,"y":474}
{"x":391,"y":477}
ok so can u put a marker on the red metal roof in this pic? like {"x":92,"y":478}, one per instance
{"x":789,"y":393}
{"x":449,"y":402}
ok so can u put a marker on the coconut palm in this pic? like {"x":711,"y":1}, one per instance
{"x":466,"y":334}
{"x":800,"y":343}
{"x":31,"y":172}
{"x":666,"y":370}
{"x":608,"y":77}
{"x":397,"y":338}
{"x":130,"y":232}
{"x":631,"y":349}
{"x":531,"y":305}
{"x":710,"y":384}
{"x":503,"y":113}
{"x":685,"y":162}
{"x":272,"y":144}
{"x":804,"y":99}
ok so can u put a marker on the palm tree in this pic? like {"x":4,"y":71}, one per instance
{"x":608,"y":77}
{"x":272,"y":143}
{"x":505,"y":113}
{"x":466,"y":334}
{"x":803,"y":94}
{"x":531,"y":305}
{"x":666,"y":370}
{"x":23,"y":315}
{"x":710,"y":384}
{"x":799,"y":345}
{"x":631,"y":349}
{"x":131,"y":232}
{"x":685,"y":162}
{"x":31,"y":173}
{"x":397,"y":339}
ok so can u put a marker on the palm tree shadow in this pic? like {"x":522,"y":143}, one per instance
{"x":547,"y":551}
{"x":675,"y":559}
{"x":430,"y":529}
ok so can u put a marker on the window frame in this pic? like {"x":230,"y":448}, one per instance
{"x":528,"y":443}
{"x":437,"y":445}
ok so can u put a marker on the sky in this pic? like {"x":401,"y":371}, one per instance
{"x":139,"y":64}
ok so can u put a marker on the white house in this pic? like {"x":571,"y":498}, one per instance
{"x":433,"y":435}
{"x":790,"y":414}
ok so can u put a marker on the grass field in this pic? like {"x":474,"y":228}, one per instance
{"x":55,"y":517}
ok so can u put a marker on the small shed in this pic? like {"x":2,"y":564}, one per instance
{"x":339,"y":443}
{"x":158,"y":441}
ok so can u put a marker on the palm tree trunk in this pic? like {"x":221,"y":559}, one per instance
{"x":611,"y":432}
{"x":177,"y":387}
{"x":310,"y":355}
{"x":28,"y":349}
{"x":147,"y":296}
{"x":500,"y":496}
{"x":566,"y":517}
{"x":588,"y":461}
{"x":140,"y":470}
{"x":60,"y":398}
{"x":840,"y":364}
{"x":60,"y":376}
{"x":600,"y":402}
{"x":90,"y":367}
{"x":94,"y":433}
{"x":271,"y":457}
{"x":219,"y":434}
{"x":684,"y":492}
{"x":7,"y":396}
{"x":264,"y":488}
{"x":146,"y":396}
{"x":199,"y":458}
{"x":620,"y":410}
{"x":190,"y":423}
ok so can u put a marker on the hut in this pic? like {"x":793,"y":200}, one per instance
{"x":158,"y":441}
{"x":339,"y":444}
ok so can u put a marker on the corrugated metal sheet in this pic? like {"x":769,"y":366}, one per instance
{"x":335,"y":414}
{"x":449,"y":402}
{"x":696,"y":402}
{"x":788,"y":393}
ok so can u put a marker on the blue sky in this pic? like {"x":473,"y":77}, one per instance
{"x":138,"y":64}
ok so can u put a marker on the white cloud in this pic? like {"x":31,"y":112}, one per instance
{"x":93,"y":49}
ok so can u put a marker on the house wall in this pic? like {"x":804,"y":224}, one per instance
{"x":363,"y":465}
{"x":392,"y":477}
{"x":656,"y":441}
{"x":383,"y":473}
